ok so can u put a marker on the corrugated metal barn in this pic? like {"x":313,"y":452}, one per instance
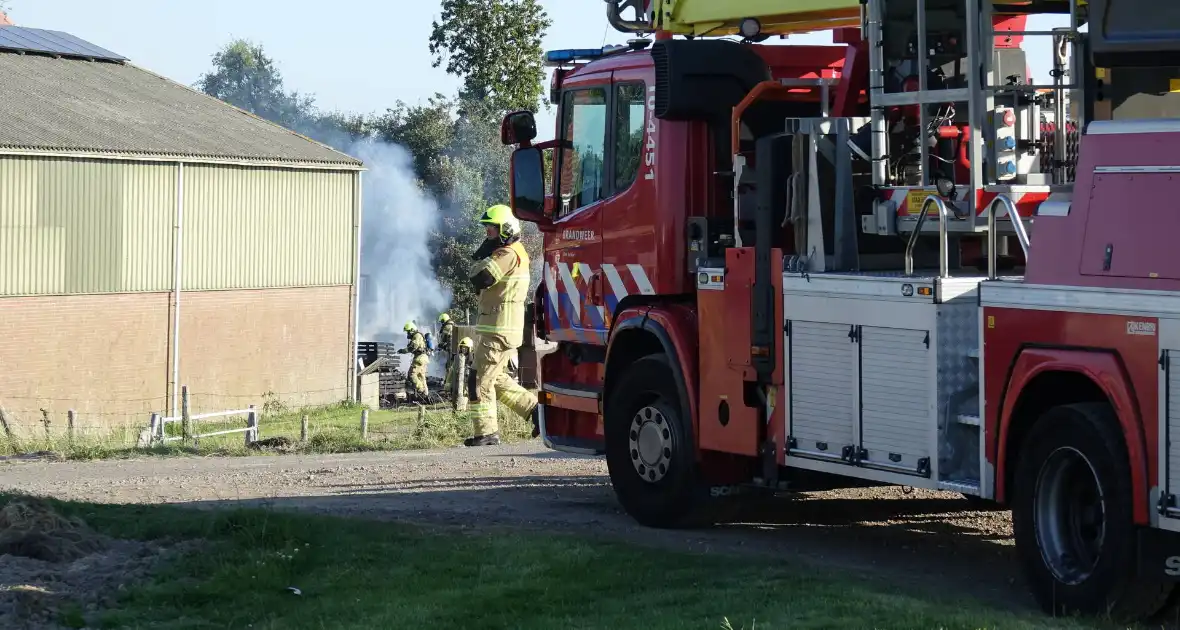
{"x":152,"y":236}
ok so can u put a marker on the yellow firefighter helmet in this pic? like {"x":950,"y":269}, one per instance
{"x":501,"y":216}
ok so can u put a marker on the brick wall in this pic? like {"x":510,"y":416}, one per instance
{"x":108,"y":356}
{"x":105,"y":356}
{"x":237,"y":345}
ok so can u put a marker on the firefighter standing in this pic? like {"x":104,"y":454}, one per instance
{"x":502,"y":280}
{"x":416,"y":346}
{"x":446,"y":338}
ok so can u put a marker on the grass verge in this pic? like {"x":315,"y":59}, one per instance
{"x":364,"y":574}
{"x":331,"y":429}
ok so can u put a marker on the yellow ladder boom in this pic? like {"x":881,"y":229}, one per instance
{"x":716,"y":18}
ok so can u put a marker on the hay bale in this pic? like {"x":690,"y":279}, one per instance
{"x":32,"y":529}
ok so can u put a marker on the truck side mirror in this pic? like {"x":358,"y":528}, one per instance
{"x":528,"y":186}
{"x":518,"y":128}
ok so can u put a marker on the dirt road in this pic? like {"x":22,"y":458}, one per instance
{"x":926,"y":539}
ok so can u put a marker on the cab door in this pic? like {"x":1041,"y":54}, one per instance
{"x":628,"y":229}
{"x":573,"y":256}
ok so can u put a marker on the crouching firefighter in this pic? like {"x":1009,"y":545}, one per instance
{"x":416,"y":379}
{"x":502,"y":281}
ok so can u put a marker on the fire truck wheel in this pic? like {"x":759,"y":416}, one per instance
{"x":649,"y":447}
{"x":1072,"y":517}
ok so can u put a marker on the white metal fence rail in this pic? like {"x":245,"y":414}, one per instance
{"x":189,"y":423}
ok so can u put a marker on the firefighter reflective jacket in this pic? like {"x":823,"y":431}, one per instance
{"x":503,"y":283}
{"x":416,"y":346}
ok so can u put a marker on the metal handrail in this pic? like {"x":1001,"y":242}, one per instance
{"x":1017,"y":225}
{"x":943,"y":219}
{"x":614,"y":17}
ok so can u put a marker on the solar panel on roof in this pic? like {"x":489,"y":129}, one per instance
{"x":43,"y":42}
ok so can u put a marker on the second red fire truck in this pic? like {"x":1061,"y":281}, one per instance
{"x":895,"y":260}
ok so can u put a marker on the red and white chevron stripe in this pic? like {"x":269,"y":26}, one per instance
{"x":567,"y":289}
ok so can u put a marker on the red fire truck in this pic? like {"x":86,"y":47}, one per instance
{"x":779,"y":266}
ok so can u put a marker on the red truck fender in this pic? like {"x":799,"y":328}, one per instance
{"x":674,"y":326}
{"x":1106,"y":371}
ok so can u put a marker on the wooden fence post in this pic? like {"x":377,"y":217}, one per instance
{"x":71,"y":417}
{"x":420,"y":425}
{"x":303,"y":429}
{"x":185,"y":429}
{"x":252,"y":423}
{"x":459,"y":402}
{"x":364,"y":424}
{"x":157,"y":429}
{"x":45,"y":421}
{"x":5,"y":424}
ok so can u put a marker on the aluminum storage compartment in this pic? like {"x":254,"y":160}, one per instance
{"x":877,"y":366}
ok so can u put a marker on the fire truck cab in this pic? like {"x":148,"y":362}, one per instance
{"x":794,"y":267}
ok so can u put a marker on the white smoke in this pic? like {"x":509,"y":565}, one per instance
{"x":398,"y":283}
{"x":398,"y":218}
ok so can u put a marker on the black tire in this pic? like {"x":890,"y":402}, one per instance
{"x":1080,"y":449}
{"x":677,"y":498}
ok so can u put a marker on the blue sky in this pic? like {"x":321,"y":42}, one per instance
{"x":354,"y":55}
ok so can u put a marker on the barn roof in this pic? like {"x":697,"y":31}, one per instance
{"x":62,"y":103}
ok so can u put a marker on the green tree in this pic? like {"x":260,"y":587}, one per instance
{"x":459,"y":160}
{"x":431,"y":133}
{"x":495,"y":47}
{"x":426,"y":131}
{"x":245,"y":77}
{"x":460,"y":233}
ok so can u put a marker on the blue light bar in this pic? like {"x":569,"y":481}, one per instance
{"x":572,"y":54}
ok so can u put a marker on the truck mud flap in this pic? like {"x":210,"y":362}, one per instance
{"x":567,"y":444}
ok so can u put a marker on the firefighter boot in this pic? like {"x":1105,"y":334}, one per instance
{"x":483,"y":440}
{"x":536,"y":416}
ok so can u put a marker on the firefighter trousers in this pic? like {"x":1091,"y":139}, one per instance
{"x":449,"y":378}
{"x":494,"y":385}
{"x":417,"y":376}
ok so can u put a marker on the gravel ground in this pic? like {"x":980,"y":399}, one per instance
{"x":925,"y":539}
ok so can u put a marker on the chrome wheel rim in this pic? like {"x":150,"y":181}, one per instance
{"x":1069,"y":516}
{"x":650,"y":443}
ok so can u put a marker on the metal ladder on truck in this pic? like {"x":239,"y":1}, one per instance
{"x":855,"y":324}
{"x":1003,"y":169}
{"x":1006,"y":181}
